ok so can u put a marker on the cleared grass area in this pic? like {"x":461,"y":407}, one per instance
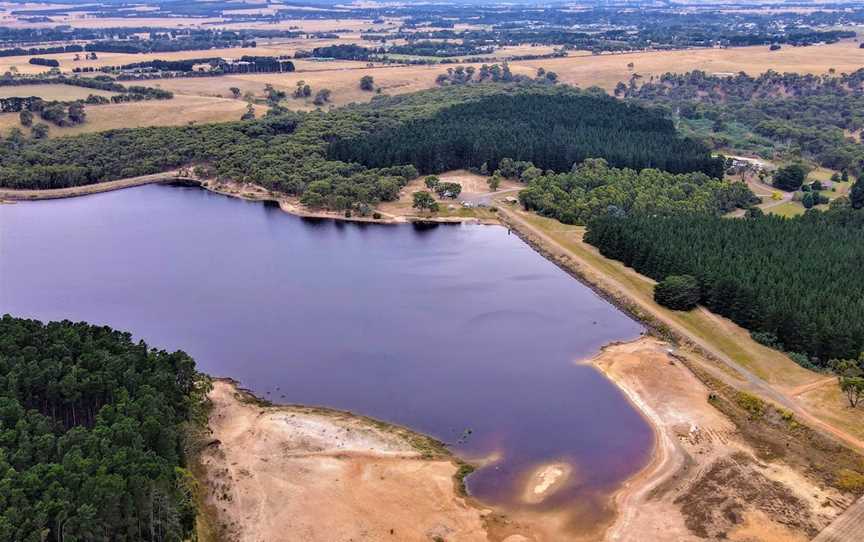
{"x":180,"y":110}
{"x":788,"y":209}
{"x":52,"y":92}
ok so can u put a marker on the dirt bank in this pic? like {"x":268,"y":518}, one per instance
{"x":295,"y":473}
{"x":705,"y":479}
{"x":10,"y":194}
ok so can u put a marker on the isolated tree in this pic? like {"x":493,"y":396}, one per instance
{"x":853,"y":388}
{"x":303,"y":90}
{"x":678,"y":292}
{"x":432,"y":182}
{"x":367,"y":83}
{"x":494,"y":182}
{"x":449,"y":190}
{"x":39,"y":130}
{"x":322,"y":96}
{"x":26,"y":117}
{"x":424,"y":200}
{"x":273,"y":95}
{"x":235,"y":91}
{"x":790,"y":177}
{"x":807,"y":201}
{"x":76,"y":112}
{"x":249,"y":114}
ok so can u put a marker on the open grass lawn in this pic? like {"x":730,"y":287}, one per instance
{"x":790,"y":208}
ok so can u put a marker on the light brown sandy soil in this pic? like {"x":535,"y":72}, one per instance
{"x":545,"y":480}
{"x":704,"y":480}
{"x":295,"y":473}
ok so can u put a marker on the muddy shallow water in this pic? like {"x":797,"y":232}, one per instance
{"x":462,"y":332}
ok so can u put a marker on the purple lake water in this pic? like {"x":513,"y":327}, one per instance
{"x":443,"y":329}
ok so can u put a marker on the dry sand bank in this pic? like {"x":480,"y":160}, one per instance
{"x":296,"y":473}
{"x":705,"y":481}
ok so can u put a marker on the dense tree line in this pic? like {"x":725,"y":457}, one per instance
{"x":791,"y":114}
{"x":246,"y":64}
{"x":91,"y":435}
{"x":49,"y":62}
{"x":792,"y":281}
{"x":18,"y":51}
{"x":551,"y":127}
{"x":303,"y":154}
{"x":100,"y":82}
{"x":594,"y":189}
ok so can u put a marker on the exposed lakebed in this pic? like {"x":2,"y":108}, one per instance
{"x":461,"y":332}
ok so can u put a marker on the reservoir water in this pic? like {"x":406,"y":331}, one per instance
{"x":462,"y":332}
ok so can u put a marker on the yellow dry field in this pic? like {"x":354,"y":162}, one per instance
{"x":607,"y":70}
{"x":341,"y":77}
{"x":52,"y":92}
{"x":181,"y":110}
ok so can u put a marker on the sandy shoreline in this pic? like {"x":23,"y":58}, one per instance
{"x":285,"y":473}
{"x":705,"y":479}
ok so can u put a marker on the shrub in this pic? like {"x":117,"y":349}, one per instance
{"x":850,"y":480}
{"x":678,"y":292}
{"x":754,"y":406}
{"x":376,"y":215}
{"x":766,"y":338}
{"x":803,"y":360}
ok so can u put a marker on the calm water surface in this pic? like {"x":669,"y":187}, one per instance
{"x":443,"y":329}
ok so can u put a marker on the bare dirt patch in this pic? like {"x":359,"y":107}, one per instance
{"x":296,"y":473}
{"x":706,"y":479}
